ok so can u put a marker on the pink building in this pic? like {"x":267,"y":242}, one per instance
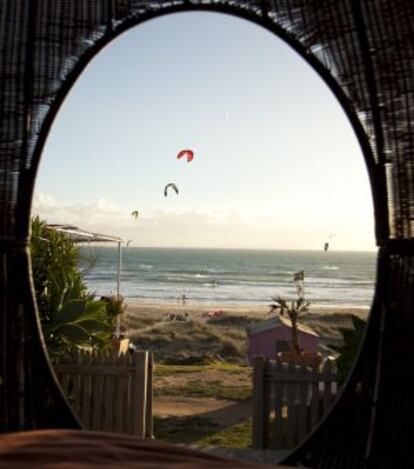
{"x":274,"y":335}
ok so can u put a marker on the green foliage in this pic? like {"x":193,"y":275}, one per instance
{"x":114,"y":305}
{"x":70,"y":317}
{"x":55,"y":269}
{"x":347,"y":352}
{"x":78,"y":323}
{"x":296,"y":309}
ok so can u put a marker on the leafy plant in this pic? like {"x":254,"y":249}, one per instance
{"x":79,"y":323}
{"x":347,"y":352}
{"x":294,"y":310}
{"x":70,"y":317}
{"x":114,"y":305}
{"x":55,"y":269}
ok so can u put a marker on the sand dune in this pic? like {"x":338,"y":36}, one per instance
{"x":196,"y":310}
{"x":149,"y":326}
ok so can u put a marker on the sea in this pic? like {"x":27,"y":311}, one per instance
{"x":230,"y":276}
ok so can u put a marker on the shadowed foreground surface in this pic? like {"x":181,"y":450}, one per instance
{"x":77,"y":448}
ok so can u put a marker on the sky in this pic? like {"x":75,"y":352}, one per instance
{"x":276,"y":165}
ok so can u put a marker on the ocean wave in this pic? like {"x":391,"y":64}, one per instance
{"x":242,"y":277}
{"x":280,"y":273}
{"x":100,"y":277}
{"x":327,"y":281}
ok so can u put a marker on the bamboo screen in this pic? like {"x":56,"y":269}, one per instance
{"x":364,"y":50}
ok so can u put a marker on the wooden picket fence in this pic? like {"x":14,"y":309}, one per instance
{"x":109,"y":391}
{"x":289,"y":400}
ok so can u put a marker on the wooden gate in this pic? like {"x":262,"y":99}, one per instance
{"x":110,"y":392}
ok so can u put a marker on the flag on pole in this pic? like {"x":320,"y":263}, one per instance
{"x":299,"y":276}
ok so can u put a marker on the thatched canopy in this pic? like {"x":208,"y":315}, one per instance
{"x":78,"y":235}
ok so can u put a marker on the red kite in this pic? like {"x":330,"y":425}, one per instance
{"x":189,"y":154}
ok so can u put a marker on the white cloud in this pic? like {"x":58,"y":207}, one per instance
{"x":44,"y":202}
{"x":198,"y":227}
{"x":81,"y":213}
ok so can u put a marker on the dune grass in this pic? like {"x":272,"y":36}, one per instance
{"x":185,"y":430}
{"x":202,"y":431}
{"x":191,"y":342}
{"x":198,"y":388}
{"x":237,"y":436}
{"x":171,"y":370}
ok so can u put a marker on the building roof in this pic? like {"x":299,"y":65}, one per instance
{"x":275,"y":322}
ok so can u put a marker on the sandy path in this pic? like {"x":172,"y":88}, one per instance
{"x":176,"y":406}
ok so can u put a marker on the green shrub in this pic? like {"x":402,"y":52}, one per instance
{"x":347,"y":352}
{"x":115,"y":305}
{"x":188,"y":359}
{"x":69,"y":315}
{"x":230,"y":349}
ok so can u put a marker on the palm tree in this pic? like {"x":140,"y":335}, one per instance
{"x":296,"y":309}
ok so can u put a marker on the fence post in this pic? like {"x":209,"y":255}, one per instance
{"x":291,"y":397}
{"x":261,"y":401}
{"x":85,"y":413}
{"x":149,"y":428}
{"x":279,"y":407}
{"x":314,"y":401}
{"x":121,"y":389}
{"x":110,"y":358}
{"x":139,"y":389}
{"x":304,"y":401}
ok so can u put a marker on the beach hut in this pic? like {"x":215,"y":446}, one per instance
{"x":274,"y":335}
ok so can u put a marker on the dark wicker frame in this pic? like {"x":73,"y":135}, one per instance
{"x":364,"y":51}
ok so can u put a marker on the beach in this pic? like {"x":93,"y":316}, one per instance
{"x":196,"y":311}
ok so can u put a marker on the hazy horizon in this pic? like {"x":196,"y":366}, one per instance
{"x":114,"y":245}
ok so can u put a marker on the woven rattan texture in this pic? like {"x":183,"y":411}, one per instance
{"x":364,"y":50}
